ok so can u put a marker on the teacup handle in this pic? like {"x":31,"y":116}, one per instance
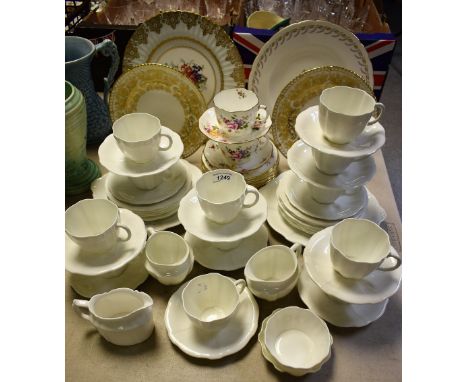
{"x":263,"y":107}
{"x":126,"y":229}
{"x":165,"y":148}
{"x":150,"y":231}
{"x":296,"y":248}
{"x":81,"y":307}
{"x":395,"y":255}
{"x":251,"y":190}
{"x":380,"y":109}
{"x":240,"y":285}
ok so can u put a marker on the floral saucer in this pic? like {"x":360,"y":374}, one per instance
{"x":208,"y":125}
{"x":200,"y":343}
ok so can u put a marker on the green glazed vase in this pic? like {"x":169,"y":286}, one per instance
{"x":79,"y":170}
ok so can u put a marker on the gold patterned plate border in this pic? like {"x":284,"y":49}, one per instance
{"x":133,"y":84}
{"x":180,"y":25}
{"x":297,"y":95}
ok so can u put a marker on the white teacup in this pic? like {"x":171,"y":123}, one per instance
{"x":236,"y":109}
{"x":271,"y":273}
{"x":138,"y":135}
{"x":210,"y":300}
{"x":168,"y":257}
{"x":221,"y":194}
{"x":344,"y":112}
{"x":358,"y":247}
{"x":93,"y":224}
{"x":331,"y":164}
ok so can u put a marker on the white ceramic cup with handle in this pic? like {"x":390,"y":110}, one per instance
{"x":359,"y":247}
{"x":222,"y":195}
{"x":138,"y":136}
{"x":94,"y":225}
{"x":344,"y":112}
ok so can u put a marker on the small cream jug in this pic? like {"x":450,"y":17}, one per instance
{"x":122,"y":316}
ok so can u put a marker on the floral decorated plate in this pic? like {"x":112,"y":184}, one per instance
{"x":200,"y":49}
{"x":165,"y":93}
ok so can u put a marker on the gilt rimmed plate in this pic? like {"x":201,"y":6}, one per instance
{"x":304,"y":91}
{"x":303,"y":46}
{"x":200,"y":49}
{"x":165,"y":93}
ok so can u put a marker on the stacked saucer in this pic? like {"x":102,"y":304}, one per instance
{"x":151,"y":188}
{"x":236,"y":127}
{"x":223,"y":226}
{"x":357,"y":299}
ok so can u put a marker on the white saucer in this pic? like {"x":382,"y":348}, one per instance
{"x":309,"y":130}
{"x":227,"y":260}
{"x":112,"y":158}
{"x":79,"y":262}
{"x":373,"y":212}
{"x":194,"y":220}
{"x":162,"y":224}
{"x":372,"y":289}
{"x":208,"y":344}
{"x":336,"y":312}
{"x":123,"y":189}
{"x":298,"y":194}
{"x":133,"y":275}
{"x":208,"y":125}
{"x":301,"y":162}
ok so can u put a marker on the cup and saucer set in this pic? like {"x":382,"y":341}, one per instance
{"x":146,"y":173}
{"x":329,"y":166}
{"x":236,"y":127}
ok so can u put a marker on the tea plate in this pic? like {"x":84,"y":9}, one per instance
{"x":165,"y":93}
{"x":199,"y":343}
{"x":336,"y":312}
{"x":113,"y":159}
{"x":301,"y":162}
{"x":372,"y":289}
{"x":192,"y":44}
{"x":123,"y":189}
{"x":304,"y":91}
{"x":194,"y":220}
{"x":367,"y":143}
{"x":80,"y":262}
{"x":373,"y":212}
{"x":211,"y":257}
{"x":208,"y":125}
{"x":298,"y":195}
{"x":302,"y":46}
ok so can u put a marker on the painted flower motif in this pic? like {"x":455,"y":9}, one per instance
{"x":258,"y":124}
{"x":238,"y":153}
{"x":235,"y":123}
{"x":241,"y":93}
{"x":193,"y":72}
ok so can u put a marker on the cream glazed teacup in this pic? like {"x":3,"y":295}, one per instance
{"x":211,"y":300}
{"x":93,"y":224}
{"x":222,"y":195}
{"x":138,"y":136}
{"x":272,"y":272}
{"x":169,"y":258}
{"x":359,"y":247}
{"x":344,"y":112}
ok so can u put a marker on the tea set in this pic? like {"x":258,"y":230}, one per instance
{"x":343,"y":264}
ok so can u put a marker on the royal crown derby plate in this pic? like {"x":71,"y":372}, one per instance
{"x":372,"y":289}
{"x":298,"y":194}
{"x":192,"y":44}
{"x":304,"y":91}
{"x":122,"y":187}
{"x":114,"y":160}
{"x":211,"y":257}
{"x":165,"y":93}
{"x":277,"y":365}
{"x":209,"y":126}
{"x":301,"y":162}
{"x":133,"y":275}
{"x":373,"y":212}
{"x":367,"y":143}
{"x":83,"y":263}
{"x":200,"y":343}
{"x":302,"y":46}
{"x":194,"y":220}
{"x":336,"y":312}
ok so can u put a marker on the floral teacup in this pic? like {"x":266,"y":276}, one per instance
{"x":246,"y":155}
